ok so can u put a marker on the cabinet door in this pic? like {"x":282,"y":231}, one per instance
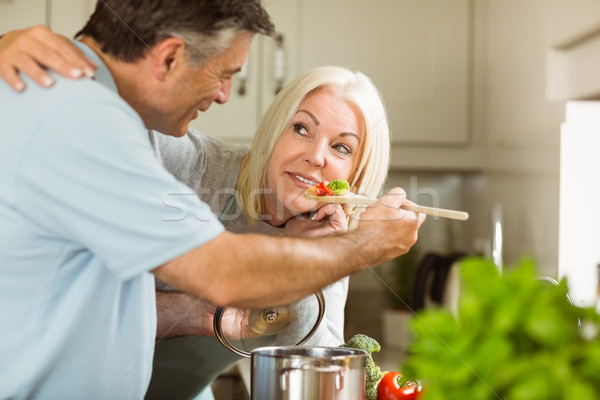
{"x":62,"y":16}
{"x":16,"y":14}
{"x":67,"y":17}
{"x":236,"y":120}
{"x":570,"y":20}
{"x":416,"y":52}
{"x":280,"y":59}
{"x":573,"y":31}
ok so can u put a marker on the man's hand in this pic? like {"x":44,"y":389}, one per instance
{"x":327,"y":220}
{"x":29,"y":50}
{"x":387,"y":228}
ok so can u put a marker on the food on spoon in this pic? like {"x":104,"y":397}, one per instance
{"x":339,"y":186}
{"x":336,"y":187}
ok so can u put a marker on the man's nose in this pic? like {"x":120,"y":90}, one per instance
{"x":225,"y":92}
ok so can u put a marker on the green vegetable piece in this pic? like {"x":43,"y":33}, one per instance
{"x":339,"y":186}
{"x":373,"y":372}
{"x":363,"y":342}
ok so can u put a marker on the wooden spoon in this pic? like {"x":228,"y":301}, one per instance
{"x":351,"y":198}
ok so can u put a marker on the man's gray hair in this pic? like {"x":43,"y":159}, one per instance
{"x":128,"y":29}
{"x":201,"y":47}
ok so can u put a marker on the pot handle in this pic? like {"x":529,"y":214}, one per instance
{"x":336,"y":369}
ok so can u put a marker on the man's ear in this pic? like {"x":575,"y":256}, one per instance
{"x":168,"y":55}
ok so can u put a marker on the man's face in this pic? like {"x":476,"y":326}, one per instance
{"x":197,"y":87}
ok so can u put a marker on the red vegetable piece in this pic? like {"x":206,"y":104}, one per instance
{"x":392,"y":388}
{"x":324,"y":186}
{"x":322,"y":189}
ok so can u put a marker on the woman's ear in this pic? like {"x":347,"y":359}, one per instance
{"x":168,"y":55}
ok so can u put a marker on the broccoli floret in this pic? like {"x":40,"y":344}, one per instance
{"x":371,"y":393}
{"x":363,"y":342}
{"x":373,"y":372}
{"x":339,"y":186}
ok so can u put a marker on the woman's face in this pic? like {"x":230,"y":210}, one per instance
{"x":322,"y":142}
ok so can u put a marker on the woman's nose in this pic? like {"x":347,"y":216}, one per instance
{"x":316,"y":154}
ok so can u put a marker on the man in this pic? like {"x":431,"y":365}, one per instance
{"x":83,"y":210}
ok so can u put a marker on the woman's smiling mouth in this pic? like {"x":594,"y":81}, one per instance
{"x":303,"y":179}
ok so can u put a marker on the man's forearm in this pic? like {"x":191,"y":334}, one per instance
{"x":252,"y":270}
{"x":179,"y":314}
{"x":257,"y":271}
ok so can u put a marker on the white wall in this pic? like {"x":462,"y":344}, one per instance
{"x":518,"y":127}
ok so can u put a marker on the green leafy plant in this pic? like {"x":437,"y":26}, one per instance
{"x":514,"y":338}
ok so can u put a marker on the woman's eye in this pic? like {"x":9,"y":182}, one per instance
{"x":342,"y":148}
{"x":300,"y":129}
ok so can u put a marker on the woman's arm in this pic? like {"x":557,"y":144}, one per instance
{"x":30,"y":51}
{"x":327,"y":220}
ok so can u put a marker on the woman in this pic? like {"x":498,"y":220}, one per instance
{"x":328,"y":123}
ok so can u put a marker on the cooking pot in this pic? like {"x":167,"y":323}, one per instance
{"x":308,"y":373}
{"x":281,"y":369}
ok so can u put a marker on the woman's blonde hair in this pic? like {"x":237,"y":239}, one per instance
{"x":353,"y":88}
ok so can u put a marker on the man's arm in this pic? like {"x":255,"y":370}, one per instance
{"x":251,"y":270}
{"x":179,"y":314}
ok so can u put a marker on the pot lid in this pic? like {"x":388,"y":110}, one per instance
{"x":287,"y":325}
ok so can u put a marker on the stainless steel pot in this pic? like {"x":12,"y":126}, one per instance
{"x":308,"y":373}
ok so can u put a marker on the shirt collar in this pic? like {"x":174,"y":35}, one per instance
{"x":102,"y":74}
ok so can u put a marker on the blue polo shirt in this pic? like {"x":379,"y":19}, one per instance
{"x":86,"y":211}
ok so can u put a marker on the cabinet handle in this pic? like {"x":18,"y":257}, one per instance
{"x":243,"y":79}
{"x":279,"y":63}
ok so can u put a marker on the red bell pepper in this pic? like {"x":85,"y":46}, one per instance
{"x":322,"y":189}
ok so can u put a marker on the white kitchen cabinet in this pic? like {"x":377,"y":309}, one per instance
{"x":573,"y":30}
{"x":63,"y":16}
{"x":19,"y":13}
{"x":67,"y":17}
{"x":416,"y":52}
{"x":567,"y":20}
